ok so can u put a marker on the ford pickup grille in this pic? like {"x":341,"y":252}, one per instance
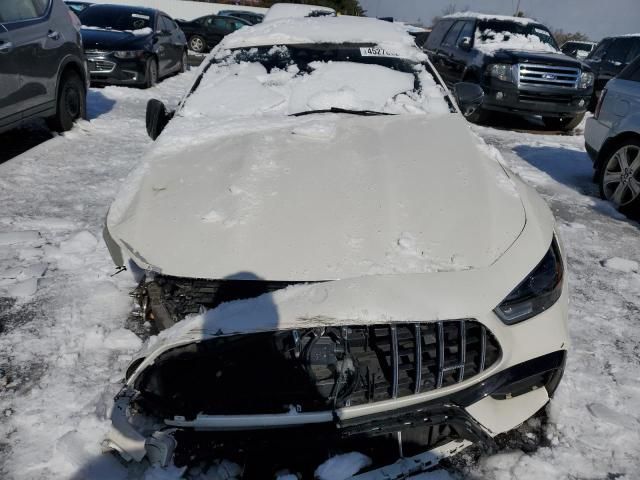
{"x":547,"y":75}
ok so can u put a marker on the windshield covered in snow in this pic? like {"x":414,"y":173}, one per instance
{"x":290,"y":80}
{"x":493,"y":33}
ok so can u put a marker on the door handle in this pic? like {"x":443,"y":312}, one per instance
{"x":5,"y":47}
{"x":53,"y":35}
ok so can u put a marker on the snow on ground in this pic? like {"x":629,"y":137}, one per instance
{"x":64,"y":345}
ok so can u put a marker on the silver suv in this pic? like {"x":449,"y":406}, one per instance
{"x":612,"y":138}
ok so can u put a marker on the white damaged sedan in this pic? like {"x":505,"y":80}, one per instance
{"x":332,"y":262}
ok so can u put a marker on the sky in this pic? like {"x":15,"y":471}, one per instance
{"x":595,"y":18}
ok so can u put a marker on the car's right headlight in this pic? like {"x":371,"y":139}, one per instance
{"x":586,"y":80}
{"x":501,"y":71}
{"x":126,"y":54}
{"x":537,"y":292}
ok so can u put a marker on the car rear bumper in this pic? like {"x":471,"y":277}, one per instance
{"x":109,"y":70}
{"x":505,"y":97}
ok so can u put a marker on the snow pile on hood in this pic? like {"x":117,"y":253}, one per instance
{"x":141,"y":32}
{"x":292,"y":10}
{"x":298,"y":31}
{"x":484,"y":16}
{"x":489,"y":41}
{"x":247,"y":89}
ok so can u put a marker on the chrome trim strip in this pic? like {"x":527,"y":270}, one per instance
{"x":440,"y":355}
{"x":463,"y":349}
{"x":418,"y":357}
{"x":483,"y":347}
{"x":395,"y":360}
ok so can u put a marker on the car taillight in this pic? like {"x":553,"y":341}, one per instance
{"x":599,"y":105}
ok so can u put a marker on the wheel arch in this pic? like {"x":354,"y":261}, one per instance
{"x":71,"y":64}
{"x":613,"y":142}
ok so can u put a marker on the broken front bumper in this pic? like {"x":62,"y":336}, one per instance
{"x":442,"y":426}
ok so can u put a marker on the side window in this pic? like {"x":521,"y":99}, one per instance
{"x":452,"y":36}
{"x":219,"y":22}
{"x":41,"y":6}
{"x":237,"y":25}
{"x":617,"y":53}
{"x":167,"y":24}
{"x":600,"y":50}
{"x":467,"y":31}
{"x":438,"y":33}
{"x":18,"y":10}
{"x":634,"y":51}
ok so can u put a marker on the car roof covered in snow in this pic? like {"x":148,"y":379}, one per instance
{"x":335,"y":30}
{"x":294,"y":10}
{"x":484,"y":16}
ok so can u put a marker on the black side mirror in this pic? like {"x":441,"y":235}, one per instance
{"x":157,"y":117}
{"x":465,"y":43}
{"x":469,"y":96}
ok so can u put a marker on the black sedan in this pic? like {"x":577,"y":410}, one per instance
{"x":204,"y":33}
{"x":131,"y":45}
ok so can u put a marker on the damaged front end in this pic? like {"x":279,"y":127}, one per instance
{"x":291,"y":397}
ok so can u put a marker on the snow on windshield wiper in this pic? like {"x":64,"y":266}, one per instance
{"x":366,"y":113}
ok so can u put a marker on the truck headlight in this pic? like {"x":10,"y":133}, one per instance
{"x":586,"y":79}
{"x":129,"y":54}
{"x":501,"y":71}
{"x":537,"y":292}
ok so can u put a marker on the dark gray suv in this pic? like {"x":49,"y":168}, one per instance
{"x":42,"y":65}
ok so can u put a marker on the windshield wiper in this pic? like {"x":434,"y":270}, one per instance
{"x":364,"y":113}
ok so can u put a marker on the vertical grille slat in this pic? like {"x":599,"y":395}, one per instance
{"x":418,"y":358}
{"x":394,"y":361}
{"x":483,"y":347}
{"x":463,"y":349}
{"x":440,"y":355}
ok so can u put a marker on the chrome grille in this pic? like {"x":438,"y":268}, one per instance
{"x":421,"y":357}
{"x":533,"y":74}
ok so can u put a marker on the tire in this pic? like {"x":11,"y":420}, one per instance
{"x":565,"y":124}
{"x":198,"y":44}
{"x":71,"y":103}
{"x":184,"y":64}
{"x":151,"y":75}
{"x":619,"y":177}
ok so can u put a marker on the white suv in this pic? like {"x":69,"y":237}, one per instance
{"x":612,"y":138}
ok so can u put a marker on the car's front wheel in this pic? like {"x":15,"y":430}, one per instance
{"x":197,"y":44}
{"x":71,"y":104}
{"x":619,"y":177}
{"x":564,"y":124}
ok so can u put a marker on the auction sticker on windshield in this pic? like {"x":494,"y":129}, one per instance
{"x":376,"y":52}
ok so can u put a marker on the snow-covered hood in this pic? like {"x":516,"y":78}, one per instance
{"x":335,"y":196}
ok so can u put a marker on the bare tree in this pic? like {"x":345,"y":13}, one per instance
{"x":562,"y":37}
